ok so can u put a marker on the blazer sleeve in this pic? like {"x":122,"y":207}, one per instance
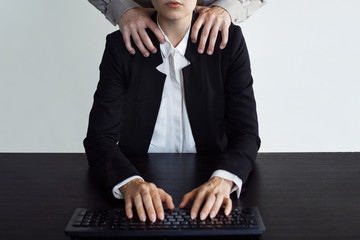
{"x":107,"y":162}
{"x":241,"y":124}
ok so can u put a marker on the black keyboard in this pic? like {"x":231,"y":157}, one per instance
{"x":104,"y":223}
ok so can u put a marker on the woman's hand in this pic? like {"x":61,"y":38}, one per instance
{"x":214,"y":193}
{"x":143,"y":194}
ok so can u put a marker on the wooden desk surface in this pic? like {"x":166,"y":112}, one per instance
{"x":300,"y":195}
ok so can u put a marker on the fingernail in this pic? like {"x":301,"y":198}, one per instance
{"x":202,"y":216}
{"x":132,"y":52}
{"x":155,"y":51}
{"x":146,"y":54}
{"x":212,"y":214}
{"x":201,"y":50}
{"x":193,"y":40}
{"x":161,"y":216}
{"x":193,"y":216}
{"x":222,"y":46}
{"x":142,"y":217}
{"x":209,"y":52}
{"x":152,"y":218}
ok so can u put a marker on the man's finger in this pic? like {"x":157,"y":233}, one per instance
{"x":224,"y":36}
{"x":127,"y":41}
{"x":204,"y":35}
{"x":156,"y":30}
{"x":139,"y":207}
{"x":196,"y":27}
{"x":135,"y":36}
{"x":228,"y":206}
{"x":146,"y":40}
{"x":213,"y":36}
{"x":217,"y":205}
{"x":207,"y":206}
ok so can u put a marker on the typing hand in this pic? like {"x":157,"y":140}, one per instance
{"x":133,"y":24}
{"x":214,"y":193}
{"x":214,"y":19}
{"x":143,"y":194}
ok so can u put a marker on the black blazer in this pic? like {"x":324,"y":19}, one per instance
{"x":218,"y":95}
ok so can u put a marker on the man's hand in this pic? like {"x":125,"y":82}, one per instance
{"x":214,"y":19}
{"x":133,"y":24}
{"x":135,"y":21}
{"x":143,"y":194}
{"x":215,"y":193}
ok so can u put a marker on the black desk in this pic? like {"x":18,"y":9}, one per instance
{"x":300,"y":195}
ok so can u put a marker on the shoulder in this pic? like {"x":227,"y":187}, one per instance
{"x":116,"y":46}
{"x":236,"y":37}
{"x":115,"y":39}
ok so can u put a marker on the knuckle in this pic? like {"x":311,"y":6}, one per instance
{"x":128,"y":205}
{"x":196,"y":27}
{"x":132,"y":26}
{"x":204,"y":33}
{"x":158,"y":208}
{"x":170,"y":198}
{"x":211,"y":17}
{"x":220,"y":195}
{"x":214,"y":34}
{"x":150,"y":210}
{"x":205,"y":14}
{"x":137,"y":40}
{"x":138,"y":23}
{"x":219,"y":18}
{"x":137,"y":196}
{"x":145,"y":194}
{"x":144,"y":188}
{"x":201,"y":192}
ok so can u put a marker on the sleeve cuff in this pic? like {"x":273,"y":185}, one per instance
{"x":116,"y":192}
{"x":117,"y":8}
{"x":231,"y":177}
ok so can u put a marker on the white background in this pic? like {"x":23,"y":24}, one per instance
{"x":305,"y":60}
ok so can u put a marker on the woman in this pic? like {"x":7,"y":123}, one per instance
{"x":174,"y":101}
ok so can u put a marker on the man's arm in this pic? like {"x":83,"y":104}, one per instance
{"x":239,"y":10}
{"x":114,"y":9}
{"x":133,"y":20}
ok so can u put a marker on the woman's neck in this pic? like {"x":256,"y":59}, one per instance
{"x":175,"y":30}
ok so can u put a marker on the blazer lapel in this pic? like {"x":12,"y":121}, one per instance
{"x":204,"y":97}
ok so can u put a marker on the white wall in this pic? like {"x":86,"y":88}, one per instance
{"x":305,"y":60}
